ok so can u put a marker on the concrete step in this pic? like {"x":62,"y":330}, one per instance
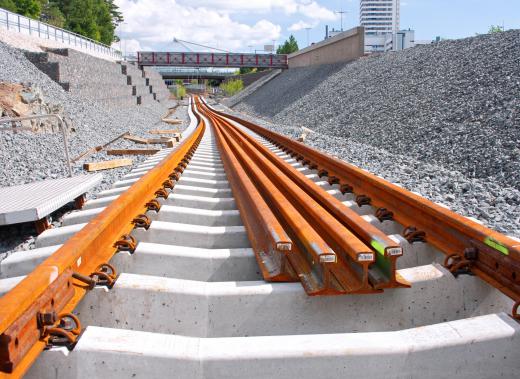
{"x":238,"y":309}
{"x":111,"y":352}
{"x":191,"y":263}
{"x":201,"y":202}
{"x":208,"y":237}
{"x":197,"y":216}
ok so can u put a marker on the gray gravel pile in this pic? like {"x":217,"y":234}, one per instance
{"x":27,"y":157}
{"x":442,"y":120}
{"x":455,"y":103}
{"x":497,"y":206}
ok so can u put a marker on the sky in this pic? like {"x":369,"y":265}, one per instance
{"x":244,"y":26}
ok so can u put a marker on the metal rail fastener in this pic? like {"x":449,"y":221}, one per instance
{"x":61,"y":123}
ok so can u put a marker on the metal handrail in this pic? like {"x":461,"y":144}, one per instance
{"x":14,"y":21}
{"x":6,"y":120}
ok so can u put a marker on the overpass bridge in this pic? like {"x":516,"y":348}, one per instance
{"x":208,"y":59}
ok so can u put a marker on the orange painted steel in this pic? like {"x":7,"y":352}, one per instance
{"x":268,"y":238}
{"x":383,"y":274}
{"x":347,"y":262}
{"x":315,"y":273}
{"x":50,"y":286}
{"x":488,"y":254}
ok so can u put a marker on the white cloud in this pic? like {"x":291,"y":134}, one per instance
{"x":316,"y":12}
{"x":300,"y":25}
{"x":154,"y":23}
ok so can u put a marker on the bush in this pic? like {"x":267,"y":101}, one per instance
{"x":179,"y":91}
{"x":232,"y":86}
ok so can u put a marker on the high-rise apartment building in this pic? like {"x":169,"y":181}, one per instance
{"x":379,"y":16}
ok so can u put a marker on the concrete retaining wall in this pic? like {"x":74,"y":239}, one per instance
{"x":343,"y":47}
{"x":111,"y":85}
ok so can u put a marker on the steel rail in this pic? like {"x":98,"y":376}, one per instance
{"x":490,"y":255}
{"x":315,"y":273}
{"x":268,"y":238}
{"x":58,"y":284}
{"x":354,"y":257}
{"x":383,"y":274}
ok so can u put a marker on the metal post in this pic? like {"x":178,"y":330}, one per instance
{"x":30,"y":31}
{"x":61,"y":124}
{"x":19,"y":28}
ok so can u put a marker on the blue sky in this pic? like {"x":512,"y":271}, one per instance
{"x":248,"y":25}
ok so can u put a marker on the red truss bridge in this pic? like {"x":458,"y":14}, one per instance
{"x":193,"y":59}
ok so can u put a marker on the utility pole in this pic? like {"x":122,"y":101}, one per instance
{"x":341,"y":13}
{"x":308,"y":29}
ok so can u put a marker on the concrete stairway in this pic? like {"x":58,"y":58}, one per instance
{"x":111,"y":85}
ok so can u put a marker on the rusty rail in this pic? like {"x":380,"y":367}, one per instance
{"x":327,"y":245}
{"x":488,"y":254}
{"x":34,"y":311}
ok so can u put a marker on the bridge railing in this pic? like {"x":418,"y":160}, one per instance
{"x":24,"y":25}
{"x":193,"y":59}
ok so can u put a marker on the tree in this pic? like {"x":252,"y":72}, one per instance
{"x":104,"y":22}
{"x":52,"y":14}
{"x":245,"y":70}
{"x":288,"y":47}
{"x":29,"y":8}
{"x":10,"y":5}
{"x":81,"y":18}
{"x":495,"y":29}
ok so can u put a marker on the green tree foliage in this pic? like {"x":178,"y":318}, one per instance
{"x":232,"y":86}
{"x":10,"y":5}
{"x":495,"y":29}
{"x":246,"y":70}
{"x":51,"y":14}
{"x":29,"y":8}
{"x":96,"y":19}
{"x":80,"y":18}
{"x":288,"y":47}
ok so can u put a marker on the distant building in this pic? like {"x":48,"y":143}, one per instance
{"x":381,"y":20}
{"x":379,"y":16}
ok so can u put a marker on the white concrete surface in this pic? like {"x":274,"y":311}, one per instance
{"x":481,"y":347}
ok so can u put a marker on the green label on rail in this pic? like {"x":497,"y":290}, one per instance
{"x":378,"y":246}
{"x":496,"y":245}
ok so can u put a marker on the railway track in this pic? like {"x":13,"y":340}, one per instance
{"x":215,"y":257}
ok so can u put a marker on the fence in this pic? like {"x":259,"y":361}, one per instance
{"x":25,"y":25}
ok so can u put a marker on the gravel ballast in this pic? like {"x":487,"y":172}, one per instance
{"x":27,"y":157}
{"x":442,"y":120}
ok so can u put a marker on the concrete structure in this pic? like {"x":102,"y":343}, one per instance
{"x":381,"y":20}
{"x":379,"y":16}
{"x":343,"y":47}
{"x":110,"y":85}
{"x":401,"y":40}
{"x":35,"y":201}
